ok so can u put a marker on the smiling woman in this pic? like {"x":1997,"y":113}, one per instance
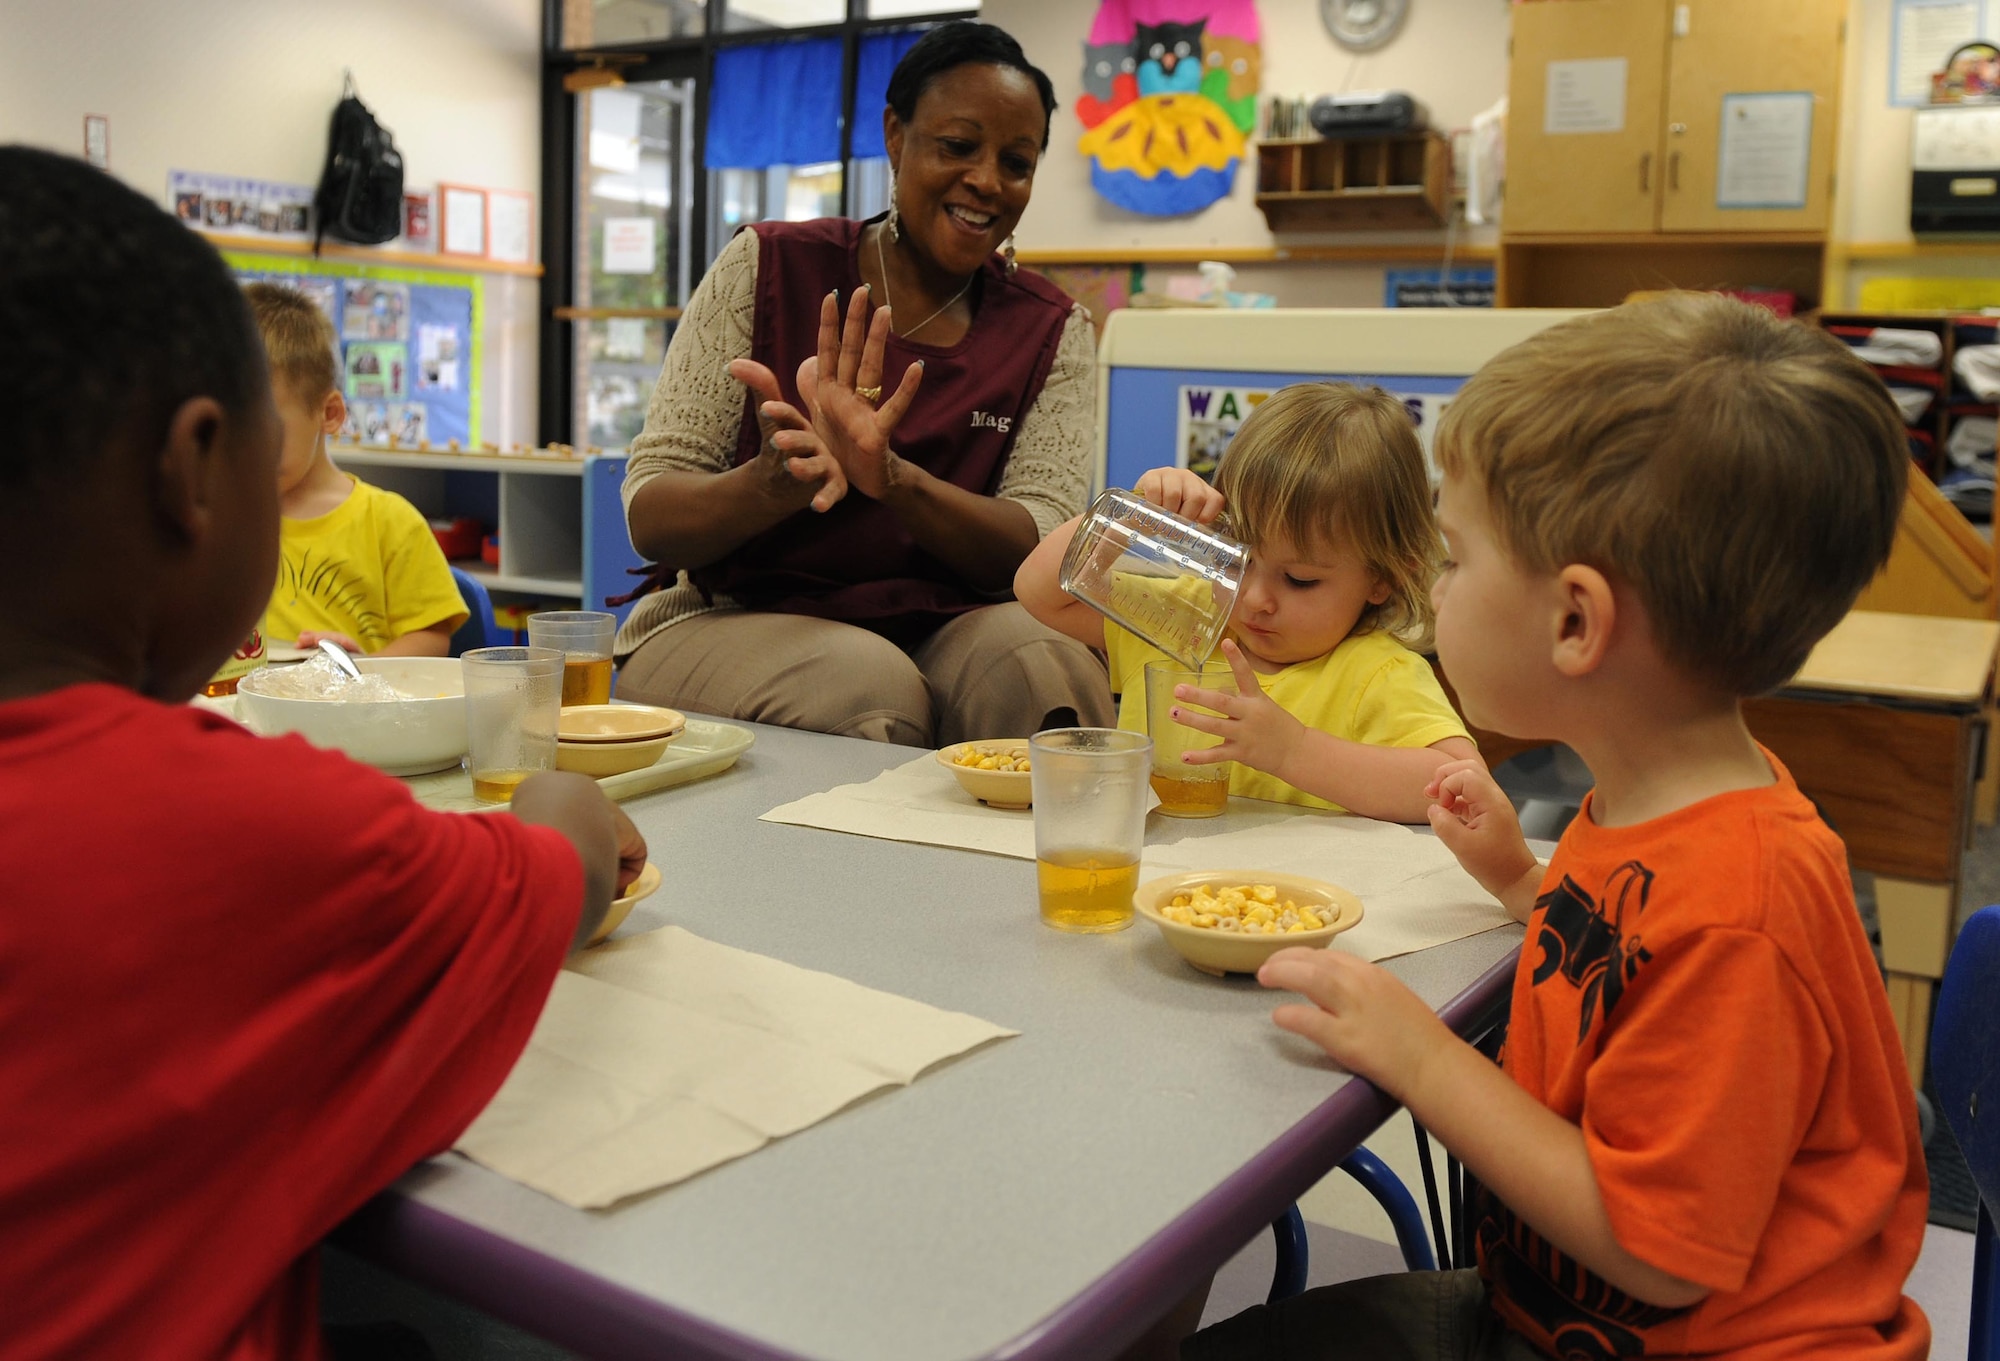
{"x":860,"y":431}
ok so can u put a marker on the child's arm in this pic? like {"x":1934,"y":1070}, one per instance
{"x":609,"y":845}
{"x":1476,"y":822}
{"x":434,"y":641}
{"x":1529,"y":1156}
{"x":1036,"y":583}
{"x":1036,"y":586}
{"x":1376,"y":782}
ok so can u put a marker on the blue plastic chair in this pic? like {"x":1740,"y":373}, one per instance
{"x":1965,"y":1069}
{"x":1289,"y":1277}
{"x":477,"y":630}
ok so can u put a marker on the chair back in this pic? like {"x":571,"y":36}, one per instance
{"x":1965,"y":1068}
{"x":477,"y":630}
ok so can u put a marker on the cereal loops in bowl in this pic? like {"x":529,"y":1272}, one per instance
{"x":1231,"y":921}
{"x":993,"y":771}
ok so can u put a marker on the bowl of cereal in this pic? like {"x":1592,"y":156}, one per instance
{"x":621,"y":906}
{"x":405,"y":716}
{"x":994,"y":771}
{"x":1231,"y":921}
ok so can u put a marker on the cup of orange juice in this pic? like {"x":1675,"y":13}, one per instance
{"x":1091,"y":794}
{"x":584,"y":637}
{"x":513,"y":699}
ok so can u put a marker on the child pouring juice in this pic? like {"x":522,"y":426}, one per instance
{"x":1326,"y":484}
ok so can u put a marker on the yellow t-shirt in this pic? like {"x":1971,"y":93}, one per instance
{"x":1369,"y":689}
{"x":369,"y":568}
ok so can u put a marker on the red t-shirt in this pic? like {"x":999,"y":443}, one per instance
{"x":1696,"y":994}
{"x":244,"y":984}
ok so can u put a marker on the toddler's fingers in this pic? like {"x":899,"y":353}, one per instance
{"x":1310,"y":1023}
{"x":1212,"y":724}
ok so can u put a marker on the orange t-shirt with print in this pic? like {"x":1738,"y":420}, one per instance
{"x":1697,"y":995}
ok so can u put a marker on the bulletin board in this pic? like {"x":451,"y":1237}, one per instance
{"x":409,"y":343}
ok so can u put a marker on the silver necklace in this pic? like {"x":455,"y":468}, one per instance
{"x":909,"y":331}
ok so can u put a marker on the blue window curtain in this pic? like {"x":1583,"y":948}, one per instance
{"x":873,"y":65}
{"x":776,"y":104}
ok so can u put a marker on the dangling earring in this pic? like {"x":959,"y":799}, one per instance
{"x":1007,"y":254}
{"x":895,"y":230}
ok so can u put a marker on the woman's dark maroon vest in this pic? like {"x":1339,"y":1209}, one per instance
{"x":855,"y":562}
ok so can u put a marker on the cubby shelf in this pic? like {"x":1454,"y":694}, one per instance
{"x":1331,"y":183}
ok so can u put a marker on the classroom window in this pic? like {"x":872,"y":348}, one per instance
{"x":741,"y":15}
{"x":903,"y":9}
{"x":607,"y":23}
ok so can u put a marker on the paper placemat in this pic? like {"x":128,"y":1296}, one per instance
{"x":1413,"y":893}
{"x":662,"y":1055}
{"x":917,"y":801}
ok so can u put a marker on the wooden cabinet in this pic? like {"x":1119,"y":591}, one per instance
{"x":1569,"y":170}
{"x":1616,"y":147}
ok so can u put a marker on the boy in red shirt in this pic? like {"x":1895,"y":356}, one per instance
{"x":244,"y":984}
{"x":1701,"y":1139}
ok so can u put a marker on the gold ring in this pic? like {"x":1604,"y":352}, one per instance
{"x":870,"y":395}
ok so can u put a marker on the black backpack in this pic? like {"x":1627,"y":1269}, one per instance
{"x":360,"y":197}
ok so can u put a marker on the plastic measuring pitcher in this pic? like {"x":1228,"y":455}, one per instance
{"x":1169,"y":580}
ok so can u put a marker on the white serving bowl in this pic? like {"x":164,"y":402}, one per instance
{"x":400,"y":737}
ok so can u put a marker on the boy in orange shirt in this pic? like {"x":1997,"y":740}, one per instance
{"x":1701,"y":1139}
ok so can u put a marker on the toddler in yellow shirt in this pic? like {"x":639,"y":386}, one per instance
{"x":1326,"y":484}
{"x":356,"y":564}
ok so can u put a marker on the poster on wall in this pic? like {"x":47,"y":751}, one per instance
{"x":1169,"y":95}
{"x":241,"y":207}
{"x":1207,"y":417}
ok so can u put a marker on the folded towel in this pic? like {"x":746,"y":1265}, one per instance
{"x":1912,"y":402}
{"x":1978,"y":366}
{"x":1893,"y":345}
{"x":1972,"y":439}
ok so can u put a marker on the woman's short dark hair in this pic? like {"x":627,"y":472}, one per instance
{"x":963,"y":42}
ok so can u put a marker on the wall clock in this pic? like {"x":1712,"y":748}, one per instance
{"x":1363,"y":25}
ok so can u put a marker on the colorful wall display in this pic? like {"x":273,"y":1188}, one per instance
{"x":1170,"y":95}
{"x":409,"y":344}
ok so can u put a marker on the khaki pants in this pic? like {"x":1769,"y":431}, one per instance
{"x":992,"y":672}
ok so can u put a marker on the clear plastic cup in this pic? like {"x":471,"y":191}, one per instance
{"x":1090,"y":787}
{"x":584,"y":637}
{"x":1169,"y":580}
{"x":1185,"y":791}
{"x":513,"y":699}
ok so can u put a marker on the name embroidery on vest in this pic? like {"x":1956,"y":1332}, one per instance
{"x":986,"y":420}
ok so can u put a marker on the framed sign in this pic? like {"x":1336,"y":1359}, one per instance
{"x":461,"y":220}
{"x":510,"y":227}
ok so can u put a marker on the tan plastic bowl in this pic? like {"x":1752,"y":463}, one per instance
{"x":621,"y":908}
{"x":618,"y":723}
{"x":401,"y":737}
{"x":598,"y":759}
{"x":1011,"y":789}
{"x":1220,"y":952}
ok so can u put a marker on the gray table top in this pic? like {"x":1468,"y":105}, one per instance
{"x":1034,"y":1197}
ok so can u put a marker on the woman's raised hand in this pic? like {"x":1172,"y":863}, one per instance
{"x":797,"y":466}
{"x":853,"y":427}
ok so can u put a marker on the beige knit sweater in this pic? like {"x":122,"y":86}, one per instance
{"x":696,"y":409}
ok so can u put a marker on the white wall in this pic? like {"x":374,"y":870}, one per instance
{"x":246,"y":87}
{"x":1451,"y":55}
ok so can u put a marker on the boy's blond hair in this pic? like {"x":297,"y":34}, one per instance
{"x":1742,"y":474}
{"x":1335,"y":466}
{"x":298,"y":340}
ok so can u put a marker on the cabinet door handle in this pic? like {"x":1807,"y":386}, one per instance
{"x":1645,"y":172}
{"x":1674,"y":171}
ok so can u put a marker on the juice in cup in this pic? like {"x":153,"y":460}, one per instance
{"x":512,"y":704}
{"x":1087,"y":890}
{"x":585,"y":638}
{"x":586,"y":680}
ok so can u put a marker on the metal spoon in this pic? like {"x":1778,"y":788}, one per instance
{"x":340,"y":658}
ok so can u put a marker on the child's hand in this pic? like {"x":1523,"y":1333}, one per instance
{"x":1253,"y":728}
{"x":1475,"y":819}
{"x":310,"y":638}
{"x":631,"y":850}
{"x":1360,"y":1014}
{"x":1179,"y":492}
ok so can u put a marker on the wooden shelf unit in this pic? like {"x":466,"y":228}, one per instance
{"x":1335,"y":183}
{"x":1600,"y":270}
